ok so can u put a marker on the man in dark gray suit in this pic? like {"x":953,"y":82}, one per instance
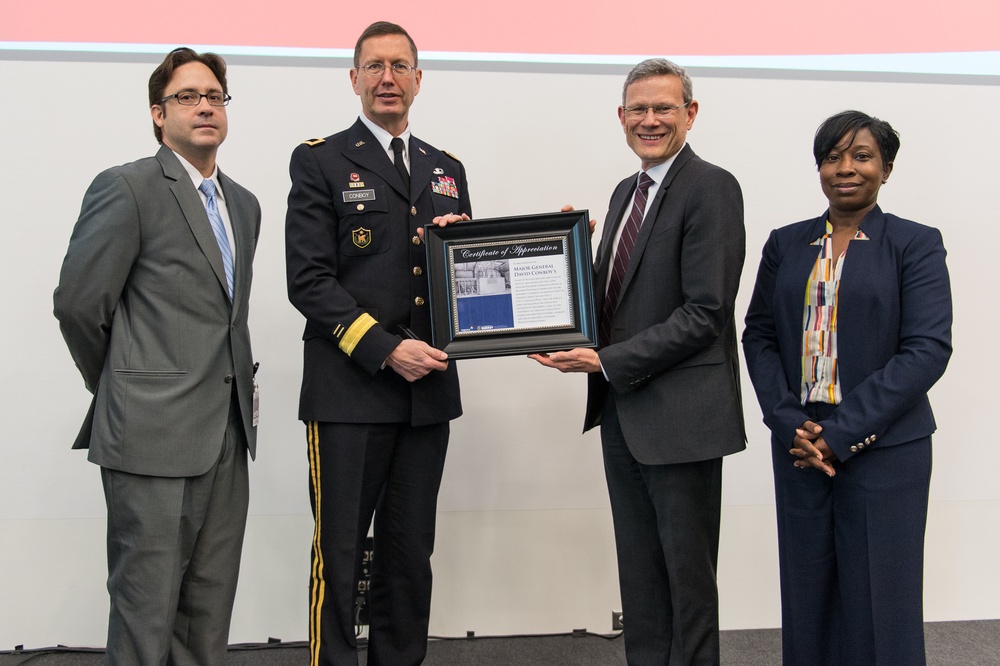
{"x":152,"y":302}
{"x":664,"y":385}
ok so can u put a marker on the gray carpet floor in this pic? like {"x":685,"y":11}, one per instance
{"x":972,"y":643}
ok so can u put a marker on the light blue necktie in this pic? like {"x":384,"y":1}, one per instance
{"x":219,"y":228}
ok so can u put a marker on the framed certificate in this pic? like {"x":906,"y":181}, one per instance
{"x":511,"y":285}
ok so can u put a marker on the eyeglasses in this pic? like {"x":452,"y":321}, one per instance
{"x":191,"y":98}
{"x":661,"y":111}
{"x":378,"y":69}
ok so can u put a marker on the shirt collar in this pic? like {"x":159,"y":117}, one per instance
{"x":658,"y":172}
{"x":384,"y":138}
{"x":196,"y":176}
{"x":860,"y":235}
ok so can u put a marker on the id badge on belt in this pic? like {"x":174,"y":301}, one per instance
{"x":256,"y":396}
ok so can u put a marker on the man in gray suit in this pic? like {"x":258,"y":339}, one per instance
{"x":152,"y":302}
{"x":664,"y":385}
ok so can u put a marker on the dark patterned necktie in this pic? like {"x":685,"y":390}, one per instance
{"x":625,"y":245}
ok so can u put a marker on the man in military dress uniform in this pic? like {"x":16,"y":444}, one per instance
{"x":376,"y":402}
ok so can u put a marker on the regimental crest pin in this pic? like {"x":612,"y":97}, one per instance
{"x":361,"y":237}
{"x":359,"y":144}
{"x":355,"y":177}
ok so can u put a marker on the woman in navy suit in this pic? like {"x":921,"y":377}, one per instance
{"x":848,"y":327}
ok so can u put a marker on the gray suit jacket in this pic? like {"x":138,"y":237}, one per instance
{"x":672,"y":362}
{"x":142,"y":305}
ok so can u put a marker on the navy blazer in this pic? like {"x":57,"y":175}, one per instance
{"x":893,"y":332}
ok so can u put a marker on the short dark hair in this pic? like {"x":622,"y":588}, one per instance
{"x":161,"y":76}
{"x":659,"y":67}
{"x":378,"y":29}
{"x":849,"y":123}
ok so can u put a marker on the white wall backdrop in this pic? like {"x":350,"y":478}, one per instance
{"x":525,"y":542}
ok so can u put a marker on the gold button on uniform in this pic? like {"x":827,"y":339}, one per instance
{"x":415,"y":240}
{"x":413,"y":210}
{"x":361,"y":206}
{"x":418,"y":301}
{"x":417,"y":270}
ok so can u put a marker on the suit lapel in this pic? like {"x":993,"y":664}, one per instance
{"x":864,"y":257}
{"x":798,"y":263}
{"x":239,"y":217}
{"x":194,"y":212}
{"x":365,"y":150}
{"x":423,"y":159}
{"x":616,"y":211}
{"x":652,"y":216}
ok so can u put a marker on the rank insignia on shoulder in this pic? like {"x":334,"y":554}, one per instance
{"x":445,"y":185}
{"x":451,"y":156}
{"x":361,"y":237}
{"x":314,"y":142}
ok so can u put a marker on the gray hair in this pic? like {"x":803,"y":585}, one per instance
{"x":659,"y":67}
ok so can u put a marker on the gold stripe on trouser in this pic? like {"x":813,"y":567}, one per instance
{"x":318,"y":587}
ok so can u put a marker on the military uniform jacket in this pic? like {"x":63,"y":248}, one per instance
{"x":357,"y":270}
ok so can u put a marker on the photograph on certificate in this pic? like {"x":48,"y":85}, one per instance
{"x":503,"y":286}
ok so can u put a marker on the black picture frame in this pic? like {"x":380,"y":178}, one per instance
{"x":531,"y":286}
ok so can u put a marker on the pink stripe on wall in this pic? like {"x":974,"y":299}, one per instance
{"x":708,"y":27}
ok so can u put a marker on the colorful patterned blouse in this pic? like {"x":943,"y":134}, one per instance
{"x":819,"y":324}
